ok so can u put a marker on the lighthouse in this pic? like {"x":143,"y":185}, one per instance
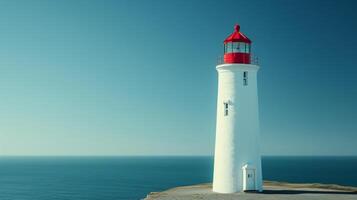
{"x":237,"y":159}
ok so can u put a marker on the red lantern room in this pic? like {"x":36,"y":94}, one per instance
{"x":237,"y":47}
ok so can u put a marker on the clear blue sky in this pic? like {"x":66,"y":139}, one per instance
{"x":138,"y":77}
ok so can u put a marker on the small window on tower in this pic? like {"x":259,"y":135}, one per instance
{"x":225,"y":109}
{"x":245,"y":78}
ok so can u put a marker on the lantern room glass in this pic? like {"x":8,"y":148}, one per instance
{"x":236,"y":47}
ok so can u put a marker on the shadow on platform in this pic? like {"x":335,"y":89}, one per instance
{"x":305,"y":192}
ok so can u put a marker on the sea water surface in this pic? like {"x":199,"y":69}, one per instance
{"x":115,"y":178}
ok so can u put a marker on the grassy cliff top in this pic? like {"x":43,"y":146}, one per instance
{"x":272,"y":191}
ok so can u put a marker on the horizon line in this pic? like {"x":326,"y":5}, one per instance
{"x":158,"y":155}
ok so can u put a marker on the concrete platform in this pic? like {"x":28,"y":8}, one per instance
{"x":272,"y":191}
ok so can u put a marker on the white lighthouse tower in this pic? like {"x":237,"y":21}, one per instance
{"x":237,"y":161}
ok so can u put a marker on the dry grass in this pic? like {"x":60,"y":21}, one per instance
{"x":311,"y":185}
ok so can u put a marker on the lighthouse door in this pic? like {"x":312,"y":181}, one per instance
{"x":250,"y":179}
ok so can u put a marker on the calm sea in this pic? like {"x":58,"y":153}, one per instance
{"x":114,"y":178}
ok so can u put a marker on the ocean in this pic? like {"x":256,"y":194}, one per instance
{"x":116,"y":178}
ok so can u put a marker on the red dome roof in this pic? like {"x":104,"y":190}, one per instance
{"x":237,"y":36}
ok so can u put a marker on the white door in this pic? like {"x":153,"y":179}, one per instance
{"x":250,"y":179}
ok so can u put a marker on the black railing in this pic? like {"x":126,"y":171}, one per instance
{"x":253,"y":60}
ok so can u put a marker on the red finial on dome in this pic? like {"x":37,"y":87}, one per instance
{"x":237,"y":36}
{"x":237,"y":27}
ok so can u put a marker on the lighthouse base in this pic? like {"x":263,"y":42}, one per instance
{"x":248,"y":181}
